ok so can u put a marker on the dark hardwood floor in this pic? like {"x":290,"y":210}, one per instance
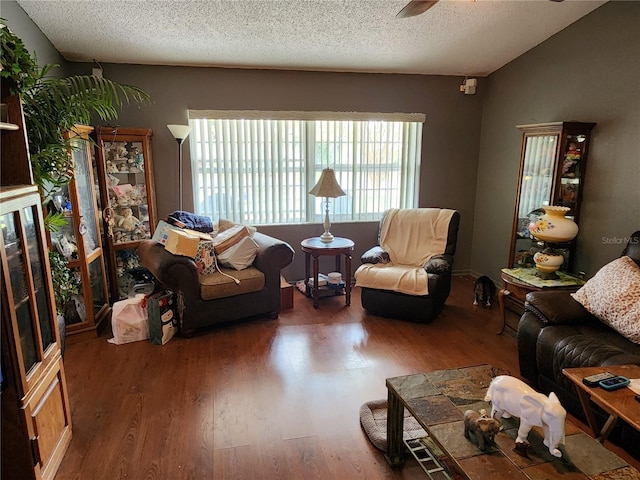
{"x":265,"y":399}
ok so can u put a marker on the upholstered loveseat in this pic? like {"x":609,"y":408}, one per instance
{"x":205,"y":300}
{"x":557,"y":332}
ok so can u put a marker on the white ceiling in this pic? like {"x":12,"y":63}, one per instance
{"x":455,"y":37}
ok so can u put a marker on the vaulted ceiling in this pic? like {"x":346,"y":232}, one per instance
{"x":454,"y":37}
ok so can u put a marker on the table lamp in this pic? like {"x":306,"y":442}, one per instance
{"x":552,"y":227}
{"x":327,"y":187}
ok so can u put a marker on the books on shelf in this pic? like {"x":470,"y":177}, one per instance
{"x":322,"y":280}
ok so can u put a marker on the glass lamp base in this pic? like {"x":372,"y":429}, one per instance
{"x":546,"y":275}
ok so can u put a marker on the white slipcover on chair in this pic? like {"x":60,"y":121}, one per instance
{"x":414,"y":256}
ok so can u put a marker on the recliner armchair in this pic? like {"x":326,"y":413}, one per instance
{"x":407,"y":275}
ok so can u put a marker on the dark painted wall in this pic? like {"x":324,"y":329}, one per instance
{"x":450,"y":140}
{"x":588,"y":72}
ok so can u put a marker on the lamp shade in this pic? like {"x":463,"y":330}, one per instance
{"x":553,"y":226}
{"x":327,"y":186}
{"x":179,"y":132}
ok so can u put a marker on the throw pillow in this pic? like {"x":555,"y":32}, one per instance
{"x":239,"y":256}
{"x":613,"y":295}
{"x":375,"y":255}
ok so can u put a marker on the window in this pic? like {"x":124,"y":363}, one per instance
{"x":257,"y":167}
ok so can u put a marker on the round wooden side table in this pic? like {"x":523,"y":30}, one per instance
{"x":315,"y":248}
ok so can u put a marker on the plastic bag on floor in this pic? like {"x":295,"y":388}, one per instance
{"x":130,"y":320}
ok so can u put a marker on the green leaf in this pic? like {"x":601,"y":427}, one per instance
{"x":54,"y":221}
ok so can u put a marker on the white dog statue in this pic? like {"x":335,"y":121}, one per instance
{"x":512,"y":397}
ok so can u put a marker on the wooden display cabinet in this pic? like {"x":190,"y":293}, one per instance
{"x":127,"y":197}
{"x":36,"y":420}
{"x":80,"y":240}
{"x":553,"y":162}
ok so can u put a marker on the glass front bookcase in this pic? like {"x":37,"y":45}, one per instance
{"x":80,"y":242}
{"x":127,"y":198}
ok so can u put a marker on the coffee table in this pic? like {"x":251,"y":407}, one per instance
{"x":618,"y":403}
{"x":438,"y":400}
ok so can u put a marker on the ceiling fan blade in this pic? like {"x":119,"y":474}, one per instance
{"x":415,"y":7}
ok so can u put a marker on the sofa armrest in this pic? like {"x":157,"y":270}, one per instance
{"x":557,"y":307}
{"x":375,"y":255}
{"x":272,"y":256}
{"x":529,"y":327}
{"x":439,"y":264}
{"x":177,"y":272}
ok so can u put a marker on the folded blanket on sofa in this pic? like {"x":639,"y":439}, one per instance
{"x":189,"y":220}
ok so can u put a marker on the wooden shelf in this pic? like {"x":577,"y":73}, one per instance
{"x":8,"y":126}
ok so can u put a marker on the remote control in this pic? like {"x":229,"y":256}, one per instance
{"x":614,"y":383}
{"x":594,"y":380}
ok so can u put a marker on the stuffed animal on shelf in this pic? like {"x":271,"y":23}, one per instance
{"x":128,"y":221}
{"x":111,"y":168}
{"x":483,"y":427}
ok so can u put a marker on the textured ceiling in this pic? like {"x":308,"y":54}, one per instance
{"x":455,"y":37}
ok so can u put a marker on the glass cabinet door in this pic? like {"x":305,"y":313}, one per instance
{"x":571,"y":172}
{"x":87,"y":205}
{"x":536,"y":188}
{"x":98,"y":287}
{"x":17,"y":266}
{"x":127,"y":191}
{"x":38,"y":273}
{"x":27,"y":295}
{"x":537,"y":174}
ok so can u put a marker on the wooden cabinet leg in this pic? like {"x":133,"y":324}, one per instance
{"x":316,"y":285}
{"x":501,"y":294}
{"x":347,"y":279}
{"x":307,"y":271}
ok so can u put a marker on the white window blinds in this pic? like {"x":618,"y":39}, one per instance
{"x":258,"y":170}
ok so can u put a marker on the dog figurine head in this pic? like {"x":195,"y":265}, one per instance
{"x":483,"y":427}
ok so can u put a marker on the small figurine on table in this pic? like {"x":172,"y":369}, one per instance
{"x":483,"y":427}
{"x":511,"y":397}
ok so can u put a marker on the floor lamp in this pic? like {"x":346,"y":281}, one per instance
{"x":180,"y":133}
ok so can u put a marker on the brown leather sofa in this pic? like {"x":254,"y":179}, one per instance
{"x":556,"y":332}
{"x":205,"y":300}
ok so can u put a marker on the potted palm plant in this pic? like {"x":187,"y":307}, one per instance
{"x":53,"y":106}
{"x":65,"y":287}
